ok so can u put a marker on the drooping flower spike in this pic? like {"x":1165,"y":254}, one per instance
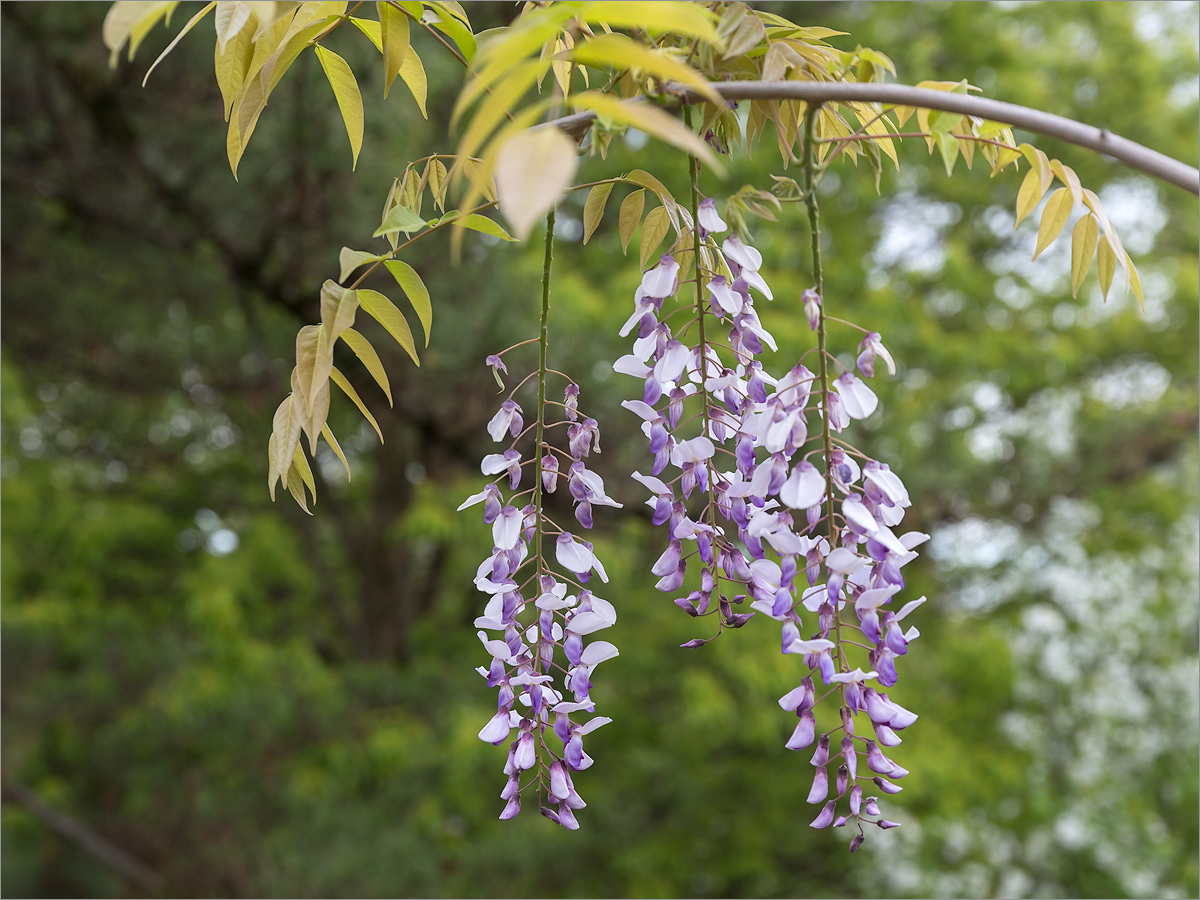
{"x":771,"y":508}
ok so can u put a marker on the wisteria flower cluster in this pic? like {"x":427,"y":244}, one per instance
{"x":538,"y":614}
{"x":777,"y":504}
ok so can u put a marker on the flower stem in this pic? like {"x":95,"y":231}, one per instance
{"x":814,"y":222}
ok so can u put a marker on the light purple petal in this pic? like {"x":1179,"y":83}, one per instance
{"x":858,"y":400}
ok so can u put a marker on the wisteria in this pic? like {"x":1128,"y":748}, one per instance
{"x":777,"y":504}
{"x":538,"y":614}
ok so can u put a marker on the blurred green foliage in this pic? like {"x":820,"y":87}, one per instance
{"x":252,"y":702}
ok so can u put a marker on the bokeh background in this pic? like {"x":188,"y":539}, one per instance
{"x":252,"y":702}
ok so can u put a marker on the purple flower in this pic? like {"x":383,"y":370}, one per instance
{"x":858,"y":400}
{"x":497,"y":366}
{"x":660,"y":282}
{"x":812,"y":307}
{"x":868,"y":349}
{"x":710,"y":221}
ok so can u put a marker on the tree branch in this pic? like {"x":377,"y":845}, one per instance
{"x":113,"y":857}
{"x":1100,"y":140}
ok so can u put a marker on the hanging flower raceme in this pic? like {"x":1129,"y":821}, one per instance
{"x":538,"y":610}
{"x":779,"y":501}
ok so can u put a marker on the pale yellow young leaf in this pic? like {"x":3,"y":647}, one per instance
{"x":394,"y":30}
{"x":631,"y":214}
{"x":192,"y":22}
{"x":746,"y":33}
{"x":416,"y":292}
{"x":646,"y":180}
{"x":1040,"y":163}
{"x":314,"y":356}
{"x":338,"y":307}
{"x":1134,"y":281}
{"x":300,"y":465}
{"x":348,"y":389}
{"x":1029,"y":195}
{"x":349,"y":99}
{"x":1092,"y":202}
{"x":130,"y":20}
{"x":1083,"y":248}
{"x":1054,"y":219}
{"x":232,"y":16}
{"x":316,"y":419}
{"x":349,"y":260}
{"x":779,"y":59}
{"x":1068,"y":177}
{"x":232,"y":66}
{"x":593,"y":208}
{"x":370,"y":359}
{"x":651,"y":120}
{"x":654,"y":229}
{"x":435,"y":177}
{"x":384,"y":311}
{"x":621,"y":52}
{"x":1106,"y":264}
{"x":296,"y":483}
{"x":533,"y":170}
{"x":327,"y":433}
{"x":286,"y":433}
{"x":272,"y":478}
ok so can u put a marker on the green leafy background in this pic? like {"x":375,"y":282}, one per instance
{"x":253,"y":702}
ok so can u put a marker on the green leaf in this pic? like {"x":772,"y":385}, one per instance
{"x":366,"y":353}
{"x":453,"y":28}
{"x":654,"y":229}
{"x":393,"y":26}
{"x":349,"y":99}
{"x":1083,"y":248}
{"x":186,"y":28}
{"x":482,"y":224}
{"x":327,"y":433}
{"x":1054,"y":218}
{"x":349,"y":260}
{"x":593,"y":208}
{"x":384,"y":311}
{"x":400,"y":218}
{"x":948,"y":146}
{"x":631,"y":214}
{"x":414,"y":289}
{"x":348,"y":389}
{"x":621,"y":52}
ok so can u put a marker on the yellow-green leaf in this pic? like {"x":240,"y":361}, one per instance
{"x":384,"y":311}
{"x":349,"y":260}
{"x":232,"y":16}
{"x":272,"y":477}
{"x":313,"y":359}
{"x":1068,"y":177}
{"x":435,"y":177}
{"x":593,"y":208}
{"x":349,"y":99}
{"x":393,"y":26}
{"x":476,"y":222}
{"x":1118,"y":249}
{"x":348,"y":389}
{"x":1029,"y":195}
{"x":370,"y":359}
{"x":453,"y":27}
{"x":654,"y":229}
{"x":130,"y":20}
{"x":414,"y":289}
{"x":338,"y":306}
{"x":327,"y":433}
{"x":1083,"y":248}
{"x":947,"y":144}
{"x":621,"y":52}
{"x":1106,"y":264}
{"x":186,"y":28}
{"x":1040,"y":163}
{"x":651,"y":120}
{"x":399,"y":218}
{"x":413,"y":74}
{"x":1134,"y":281}
{"x":1054,"y":219}
{"x":232,"y":65}
{"x":631,"y":214}
{"x":691,"y":19}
